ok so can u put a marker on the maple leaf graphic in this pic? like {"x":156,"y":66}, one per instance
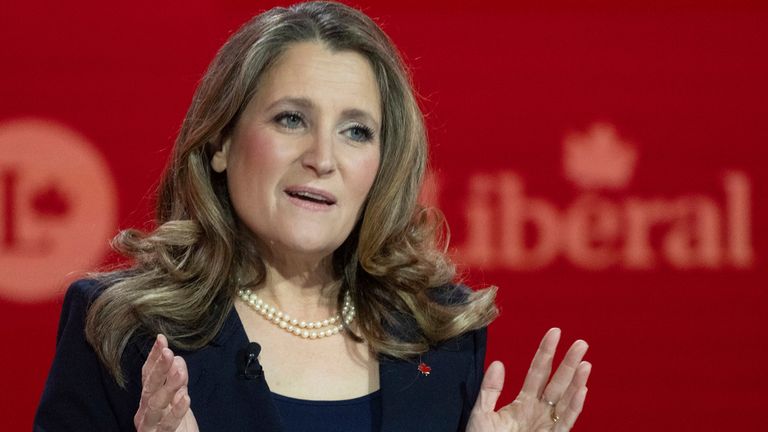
{"x":598,"y":158}
{"x":50,"y":201}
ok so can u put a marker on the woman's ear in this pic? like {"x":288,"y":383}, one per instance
{"x":219,"y":159}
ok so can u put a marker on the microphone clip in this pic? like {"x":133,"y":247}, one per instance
{"x":248,"y":362}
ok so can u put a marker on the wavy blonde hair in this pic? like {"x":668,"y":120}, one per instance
{"x":184,"y":275}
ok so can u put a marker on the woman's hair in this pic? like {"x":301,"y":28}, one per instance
{"x":185,"y":273}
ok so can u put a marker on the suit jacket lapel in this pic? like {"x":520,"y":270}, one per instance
{"x":411,"y":400}
{"x":415,"y":401}
{"x":217,"y":387}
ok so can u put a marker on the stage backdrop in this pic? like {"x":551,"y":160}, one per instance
{"x":603,"y":164}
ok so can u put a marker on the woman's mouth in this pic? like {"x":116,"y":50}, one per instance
{"x":311,"y":198}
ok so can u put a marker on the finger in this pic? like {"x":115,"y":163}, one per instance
{"x":154,"y":354}
{"x":153,"y":373}
{"x":159,"y":372}
{"x":181,"y":365}
{"x":157,"y":376}
{"x":179,"y":408}
{"x":571,"y":414}
{"x":490,"y":388}
{"x":579,"y":380}
{"x":541,"y":366}
{"x":158,"y":402}
{"x":564,"y":373}
{"x":181,"y":404}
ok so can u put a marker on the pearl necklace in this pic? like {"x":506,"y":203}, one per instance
{"x":304,"y":329}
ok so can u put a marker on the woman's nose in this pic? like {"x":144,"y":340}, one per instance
{"x":319,"y":155}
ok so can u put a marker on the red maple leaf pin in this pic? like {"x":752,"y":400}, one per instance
{"x":424,"y":368}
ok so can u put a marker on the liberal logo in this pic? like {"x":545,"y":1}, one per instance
{"x":605,"y":225}
{"x":58,"y":208}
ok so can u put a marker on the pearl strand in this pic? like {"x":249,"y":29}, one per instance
{"x":304,"y":329}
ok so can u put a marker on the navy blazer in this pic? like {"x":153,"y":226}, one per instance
{"x":80,"y":395}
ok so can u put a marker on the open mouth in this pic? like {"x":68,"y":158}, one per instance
{"x":312,"y":197}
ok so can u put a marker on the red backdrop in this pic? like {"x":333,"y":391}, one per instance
{"x":603,"y":164}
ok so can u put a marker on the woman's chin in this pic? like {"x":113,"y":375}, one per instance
{"x":307,"y":247}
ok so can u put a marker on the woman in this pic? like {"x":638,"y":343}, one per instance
{"x":293,"y":283}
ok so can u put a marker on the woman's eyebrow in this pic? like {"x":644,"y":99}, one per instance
{"x":301,"y":102}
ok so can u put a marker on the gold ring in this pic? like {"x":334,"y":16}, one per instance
{"x":553,"y":414}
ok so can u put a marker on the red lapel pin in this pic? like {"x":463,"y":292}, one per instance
{"x":424,"y":368}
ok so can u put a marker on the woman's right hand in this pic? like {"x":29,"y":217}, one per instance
{"x":164,"y":404}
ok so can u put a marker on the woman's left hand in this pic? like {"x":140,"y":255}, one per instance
{"x":543,"y":404}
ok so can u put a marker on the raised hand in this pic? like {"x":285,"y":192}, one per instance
{"x":164,"y":404}
{"x":544,"y":404}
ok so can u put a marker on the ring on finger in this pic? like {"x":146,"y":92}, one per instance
{"x":553,"y":413}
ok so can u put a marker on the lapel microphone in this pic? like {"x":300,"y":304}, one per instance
{"x":249,"y":367}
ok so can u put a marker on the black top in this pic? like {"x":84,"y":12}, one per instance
{"x":229,"y":394}
{"x":361,"y":414}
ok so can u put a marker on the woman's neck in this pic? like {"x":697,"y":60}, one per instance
{"x":301,"y":286}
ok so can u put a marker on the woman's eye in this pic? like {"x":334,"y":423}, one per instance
{"x":290,"y":120}
{"x":360,"y":133}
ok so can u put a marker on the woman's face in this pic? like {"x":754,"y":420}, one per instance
{"x":305,"y":152}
